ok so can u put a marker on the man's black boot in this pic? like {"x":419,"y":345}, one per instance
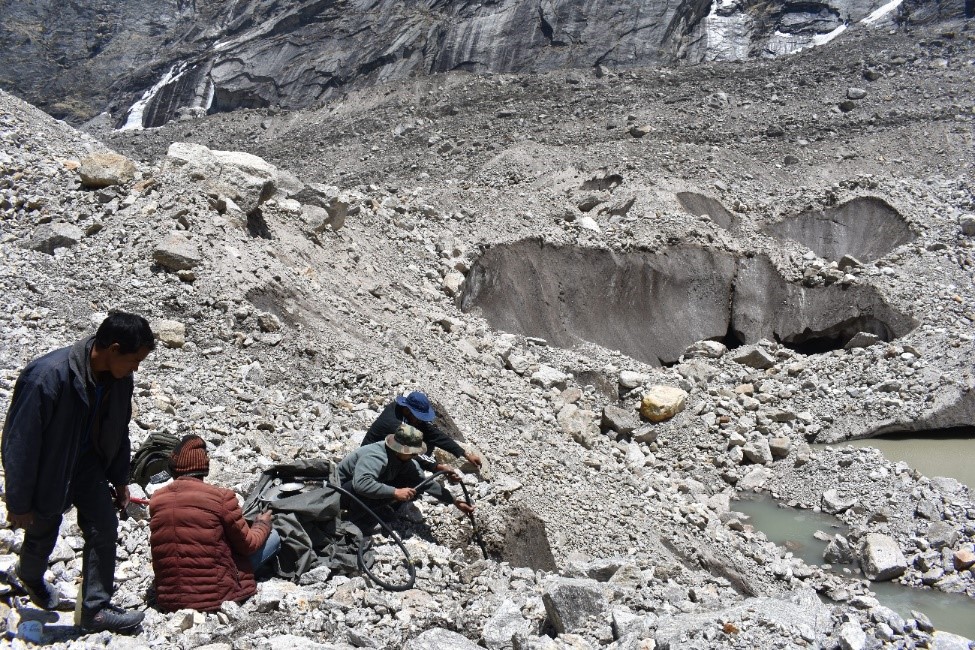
{"x":41,"y":592}
{"x":112,"y":619}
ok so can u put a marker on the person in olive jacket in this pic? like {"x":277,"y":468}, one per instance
{"x":66,"y":442}
{"x":204,"y":553}
{"x":385,"y":474}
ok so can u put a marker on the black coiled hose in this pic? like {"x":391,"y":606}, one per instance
{"x":389,"y":531}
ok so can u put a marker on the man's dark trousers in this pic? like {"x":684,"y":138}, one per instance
{"x":91,"y":496}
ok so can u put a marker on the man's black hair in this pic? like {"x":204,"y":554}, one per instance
{"x":130,"y":331}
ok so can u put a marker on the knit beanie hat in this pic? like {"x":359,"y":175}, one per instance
{"x":190,"y":457}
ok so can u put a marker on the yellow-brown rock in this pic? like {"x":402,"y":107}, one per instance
{"x":662,"y":403}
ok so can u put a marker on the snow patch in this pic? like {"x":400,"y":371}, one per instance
{"x":880,"y":12}
{"x":822,"y":39}
{"x":136,"y":113}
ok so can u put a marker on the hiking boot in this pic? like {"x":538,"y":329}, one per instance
{"x":41,"y":592}
{"x":112,"y":619}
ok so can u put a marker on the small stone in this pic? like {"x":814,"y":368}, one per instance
{"x":170,"y":332}
{"x":629,"y":379}
{"x":754,"y":357}
{"x":588,"y":223}
{"x":855,"y":93}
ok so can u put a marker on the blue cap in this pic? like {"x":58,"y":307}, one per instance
{"x":419,"y":405}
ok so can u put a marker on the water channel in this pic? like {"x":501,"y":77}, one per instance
{"x":946,"y":452}
{"x":794,"y":529}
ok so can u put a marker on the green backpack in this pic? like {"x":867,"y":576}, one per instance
{"x":152,"y":457}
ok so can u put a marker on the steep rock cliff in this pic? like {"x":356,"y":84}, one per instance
{"x":149,"y":62}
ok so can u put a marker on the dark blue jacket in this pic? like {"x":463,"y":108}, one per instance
{"x":433,"y":436}
{"x":46,"y":423}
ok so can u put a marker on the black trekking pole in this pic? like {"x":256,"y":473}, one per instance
{"x":467,"y":498}
{"x":470,"y":515}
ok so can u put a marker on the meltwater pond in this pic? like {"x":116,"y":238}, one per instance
{"x":947,"y":452}
{"x":794,"y":529}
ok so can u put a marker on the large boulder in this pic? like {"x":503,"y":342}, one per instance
{"x":662,"y":403}
{"x":170,"y":333}
{"x":754,"y":357}
{"x":177,"y":253}
{"x":506,"y":623}
{"x":578,"y":423}
{"x":549,"y":377}
{"x":571,"y":602}
{"x":833,"y":503}
{"x":246,"y":179}
{"x":525,"y":541}
{"x":438,"y":639}
{"x":619,"y":420}
{"x":106,"y":169}
{"x":802,"y":613}
{"x":51,"y":236}
{"x":758,"y":451}
{"x":881,"y":558}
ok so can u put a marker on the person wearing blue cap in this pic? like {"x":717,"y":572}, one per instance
{"x":415,"y":409}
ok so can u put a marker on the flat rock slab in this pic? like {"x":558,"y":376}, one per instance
{"x":438,"y":639}
{"x":802,"y":613}
{"x":51,"y":236}
{"x":881,"y":558}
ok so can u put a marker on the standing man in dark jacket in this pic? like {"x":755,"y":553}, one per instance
{"x":415,"y":409}
{"x":66,"y":442}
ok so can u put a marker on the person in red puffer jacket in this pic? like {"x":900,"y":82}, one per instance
{"x":203,"y":551}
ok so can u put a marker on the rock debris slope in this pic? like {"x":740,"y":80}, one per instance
{"x":299,"y":283}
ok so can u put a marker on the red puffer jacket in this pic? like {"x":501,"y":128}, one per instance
{"x":200,"y":546}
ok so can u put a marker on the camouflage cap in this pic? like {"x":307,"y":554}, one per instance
{"x":406,"y":440}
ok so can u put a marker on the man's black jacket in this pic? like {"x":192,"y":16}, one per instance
{"x":43,"y":432}
{"x":387,"y":422}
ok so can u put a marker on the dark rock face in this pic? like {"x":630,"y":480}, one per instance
{"x":699,"y":205}
{"x":71,"y":58}
{"x":630,"y":301}
{"x":866,"y":228}
{"x":148,"y":63}
{"x":525,"y":542}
